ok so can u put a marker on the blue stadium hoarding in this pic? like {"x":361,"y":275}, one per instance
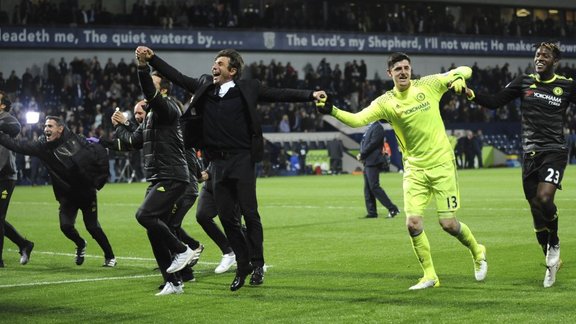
{"x":189,"y":39}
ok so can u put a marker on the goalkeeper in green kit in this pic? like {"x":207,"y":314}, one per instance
{"x":412,"y":109}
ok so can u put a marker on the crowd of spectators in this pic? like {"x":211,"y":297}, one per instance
{"x":86,"y":92}
{"x":336,"y":15}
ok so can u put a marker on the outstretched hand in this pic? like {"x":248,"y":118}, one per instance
{"x":324,"y":105}
{"x":458,"y":85}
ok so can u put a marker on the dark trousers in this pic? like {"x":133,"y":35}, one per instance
{"x":6,"y":229}
{"x":206,"y":211}
{"x":183,"y":205}
{"x":69,"y":207}
{"x":373,"y":191}
{"x":235,"y":185}
{"x":153,"y":213}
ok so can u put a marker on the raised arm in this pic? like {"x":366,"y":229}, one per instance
{"x":493,"y":101}
{"x":359,"y":119}
{"x":146,"y":54}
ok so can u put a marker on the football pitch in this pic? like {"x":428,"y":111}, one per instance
{"x":327,"y":264}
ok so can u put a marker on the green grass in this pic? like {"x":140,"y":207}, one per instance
{"x":327,"y":263}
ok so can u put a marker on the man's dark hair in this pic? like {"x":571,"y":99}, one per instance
{"x":397,"y":57}
{"x":57,"y":119}
{"x":5,"y":101}
{"x":553,"y":47}
{"x":236,"y":61}
{"x":164,"y":83}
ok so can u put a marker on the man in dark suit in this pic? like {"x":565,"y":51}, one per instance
{"x":373,"y":159}
{"x":223,"y":121}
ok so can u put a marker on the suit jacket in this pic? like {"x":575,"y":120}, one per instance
{"x":252,"y":91}
{"x":371,"y":145}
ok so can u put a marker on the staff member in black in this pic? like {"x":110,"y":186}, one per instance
{"x":8,"y":176}
{"x":167,"y":171}
{"x":75,"y":181}
{"x":187,"y":199}
{"x":223,"y":120}
{"x":373,"y":160}
{"x":206,"y":211}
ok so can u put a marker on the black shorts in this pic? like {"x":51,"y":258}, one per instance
{"x":547,"y":166}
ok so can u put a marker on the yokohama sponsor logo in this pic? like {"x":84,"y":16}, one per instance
{"x":547,"y":97}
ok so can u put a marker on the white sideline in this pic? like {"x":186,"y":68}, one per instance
{"x":46,"y":283}
{"x":99,"y":256}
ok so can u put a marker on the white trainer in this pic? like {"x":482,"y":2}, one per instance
{"x":426,"y":283}
{"x":197,"y":254}
{"x":110,"y":263}
{"x":480,"y":265}
{"x":170,"y":288}
{"x":552,"y":255}
{"x":181,"y":260}
{"x":550,"y":276}
{"x":228,"y":260}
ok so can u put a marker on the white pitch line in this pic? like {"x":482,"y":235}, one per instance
{"x":46,"y":283}
{"x":99,"y":256}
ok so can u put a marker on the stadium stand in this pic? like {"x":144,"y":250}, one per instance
{"x":86,"y":90}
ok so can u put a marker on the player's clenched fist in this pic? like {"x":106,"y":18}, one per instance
{"x":144,"y":53}
{"x":324,"y":105}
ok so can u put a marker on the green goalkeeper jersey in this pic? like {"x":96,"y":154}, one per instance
{"x":415,"y":117}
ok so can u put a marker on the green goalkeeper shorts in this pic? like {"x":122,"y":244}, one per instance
{"x":440,"y":183}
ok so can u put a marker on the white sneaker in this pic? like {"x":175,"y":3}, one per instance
{"x":110,"y":263}
{"x":196,"y":256}
{"x":228,"y":260}
{"x":480,"y":265}
{"x":550,"y":276}
{"x":426,"y":283}
{"x":170,"y":288}
{"x":552,"y":255}
{"x":181,"y":260}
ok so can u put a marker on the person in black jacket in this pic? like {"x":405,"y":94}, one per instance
{"x":8,"y":176}
{"x":373,"y":160}
{"x":187,"y":199}
{"x":75,"y":180}
{"x":166,"y":169}
{"x":223,"y":121}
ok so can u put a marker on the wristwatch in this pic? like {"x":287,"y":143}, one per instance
{"x":126,"y":123}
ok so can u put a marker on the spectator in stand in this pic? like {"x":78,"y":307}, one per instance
{"x":477,"y":144}
{"x":284,"y":126}
{"x":469,"y":149}
{"x":335,"y":153}
{"x":302,"y":151}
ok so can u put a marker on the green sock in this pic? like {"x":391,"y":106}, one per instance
{"x":422,"y":250}
{"x":467,"y":238}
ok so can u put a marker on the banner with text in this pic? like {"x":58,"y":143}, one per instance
{"x":187,"y":39}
